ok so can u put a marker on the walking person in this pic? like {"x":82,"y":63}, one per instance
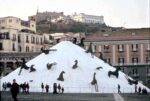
{"x":14,"y":90}
{"x":62,"y":89}
{"x":42,"y":86}
{"x":119,"y":89}
{"x":47,"y":88}
{"x":55,"y":88}
{"x":59,"y":88}
{"x":139,"y":90}
{"x":135,"y":88}
{"x":27,"y":87}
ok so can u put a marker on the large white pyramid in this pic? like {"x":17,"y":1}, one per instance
{"x":75,"y":80}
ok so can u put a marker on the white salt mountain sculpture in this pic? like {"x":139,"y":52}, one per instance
{"x":80,"y":79}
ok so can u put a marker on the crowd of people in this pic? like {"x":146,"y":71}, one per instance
{"x":138,"y":90}
{"x":56,"y":88}
{"x":15,"y":88}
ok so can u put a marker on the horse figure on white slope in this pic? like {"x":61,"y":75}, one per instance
{"x":130,"y":81}
{"x":90,"y":50}
{"x":61,"y":77}
{"x":81,"y":44}
{"x":49,"y":65}
{"x":32,"y":69}
{"x":94,"y":82}
{"x":75,"y":65}
{"x":46,"y":51}
{"x":115,"y":73}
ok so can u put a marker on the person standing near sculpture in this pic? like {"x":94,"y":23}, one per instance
{"x":14,"y":90}
{"x":55,"y":88}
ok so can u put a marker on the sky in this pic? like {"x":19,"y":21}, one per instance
{"x":117,"y":13}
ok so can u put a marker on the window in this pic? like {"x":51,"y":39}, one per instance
{"x":135,"y":71}
{"x":41,"y":41}
{"x":27,"y":39}
{"x":10,"y":20}
{"x":1,"y":46}
{"x":135,"y":60}
{"x":27,"y":48}
{"x":19,"y":39}
{"x":148,"y":71}
{"x":94,"y":48}
{"x":14,"y":37}
{"x":148,"y":60}
{"x":13,"y":47}
{"x":120,"y":48}
{"x":148,"y":47}
{"x":37,"y":40}
{"x":134,"y":47}
{"x":20,"y":49}
{"x":121,"y":61}
{"x":106,"y":48}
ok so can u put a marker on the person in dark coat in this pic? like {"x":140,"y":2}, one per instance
{"x":27,"y":88}
{"x":62,"y":89}
{"x":55,"y":88}
{"x":139,"y":90}
{"x":42,"y":86}
{"x":119,"y":89}
{"x":59,"y":88}
{"x":14,"y":90}
{"x":47,"y":88}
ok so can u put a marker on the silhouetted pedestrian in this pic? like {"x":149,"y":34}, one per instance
{"x":47,"y":88}
{"x":42,"y":86}
{"x":135,"y":88}
{"x":14,"y":90}
{"x":55,"y":88}
{"x":59,"y":88}
{"x":119,"y":89}
{"x":4,"y":86}
{"x":139,"y":90}
{"x":62,"y":89}
{"x":27,"y":88}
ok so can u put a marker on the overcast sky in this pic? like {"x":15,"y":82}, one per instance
{"x":117,"y":13}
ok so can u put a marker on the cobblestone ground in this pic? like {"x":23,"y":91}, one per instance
{"x":6,"y":96}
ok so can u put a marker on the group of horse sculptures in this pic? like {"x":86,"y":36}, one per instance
{"x":114,"y":73}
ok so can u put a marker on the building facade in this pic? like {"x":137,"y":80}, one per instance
{"x":128,"y":49}
{"x":85,"y":18}
{"x":19,"y":39}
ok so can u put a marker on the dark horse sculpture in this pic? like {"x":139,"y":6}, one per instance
{"x":98,"y":68}
{"x":46,"y":51}
{"x":81,"y":44}
{"x":49,"y":65}
{"x":61,"y":78}
{"x":100,"y":55}
{"x":90,"y":50}
{"x":94,"y":82}
{"x":23,"y":66}
{"x":18,"y":64}
{"x":115,"y":73}
{"x":32,"y":69}
{"x":74,"y":40}
{"x":130,"y":81}
{"x":75,"y":65}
